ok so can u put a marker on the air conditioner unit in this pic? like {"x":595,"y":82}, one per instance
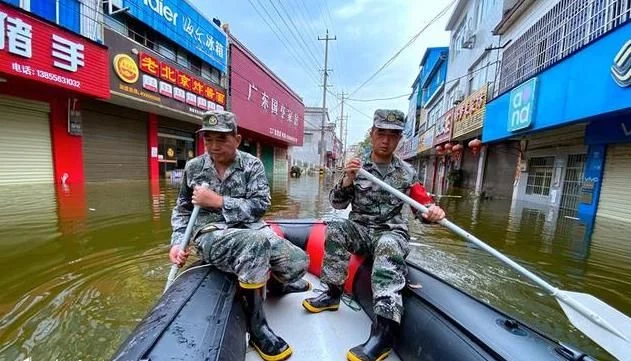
{"x":115,"y":6}
{"x":458,"y":97}
{"x":468,"y":41}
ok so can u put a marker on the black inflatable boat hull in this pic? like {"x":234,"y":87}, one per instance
{"x":199,"y":317}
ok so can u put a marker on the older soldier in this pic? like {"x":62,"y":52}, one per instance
{"x":229,"y":232}
{"x":377,"y":228}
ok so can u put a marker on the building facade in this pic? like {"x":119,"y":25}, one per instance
{"x":474,"y":59}
{"x":51,"y":63}
{"x":270,"y":114}
{"x":572,"y":131}
{"x":307,"y":156}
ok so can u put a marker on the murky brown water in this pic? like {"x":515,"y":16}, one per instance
{"x":82,"y":265}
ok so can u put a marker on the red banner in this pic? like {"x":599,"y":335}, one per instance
{"x":34,"y":49}
{"x":262,"y":102}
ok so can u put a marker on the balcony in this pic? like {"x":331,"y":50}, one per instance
{"x":567,"y":27}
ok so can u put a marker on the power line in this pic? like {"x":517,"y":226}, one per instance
{"x":304,"y":45}
{"x":410,"y":42}
{"x":289,"y":49}
{"x":378,"y":99}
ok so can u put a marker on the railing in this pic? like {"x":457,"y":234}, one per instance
{"x":566,"y":28}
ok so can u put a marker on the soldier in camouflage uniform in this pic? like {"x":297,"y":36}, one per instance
{"x":376,"y":227}
{"x":232,"y":190}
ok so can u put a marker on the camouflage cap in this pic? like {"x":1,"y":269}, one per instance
{"x":219,"y":121}
{"x":389,"y":119}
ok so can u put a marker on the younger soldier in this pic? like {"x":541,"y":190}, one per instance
{"x":375,"y":228}
{"x":229,"y":232}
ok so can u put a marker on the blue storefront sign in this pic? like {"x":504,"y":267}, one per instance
{"x":582,"y":86}
{"x":522,"y":105}
{"x":182,"y":24}
{"x":610,"y":131}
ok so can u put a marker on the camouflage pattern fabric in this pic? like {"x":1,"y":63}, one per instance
{"x":371,"y":205}
{"x":377,"y":227}
{"x":234,"y":238}
{"x":245,"y":190}
{"x":251,"y":254}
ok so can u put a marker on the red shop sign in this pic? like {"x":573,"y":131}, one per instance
{"x":34,"y":49}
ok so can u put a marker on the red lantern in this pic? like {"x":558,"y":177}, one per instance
{"x":448,"y":146}
{"x":457,"y":148}
{"x":475,"y":145}
{"x":439,"y":149}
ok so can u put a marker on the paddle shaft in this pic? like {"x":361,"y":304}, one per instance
{"x":561,"y":297}
{"x":187,"y":236}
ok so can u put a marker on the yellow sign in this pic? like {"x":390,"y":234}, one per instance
{"x":170,"y":153}
{"x":469,"y":114}
{"x":126,"y":68}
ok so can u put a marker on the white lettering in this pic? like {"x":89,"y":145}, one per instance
{"x":163,"y":10}
{"x":69,"y":52}
{"x":627,"y":132}
{"x":18,"y":33}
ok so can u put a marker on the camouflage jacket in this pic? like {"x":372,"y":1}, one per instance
{"x":370,"y":205}
{"x":245,"y":191}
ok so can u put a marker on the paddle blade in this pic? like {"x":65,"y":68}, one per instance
{"x":608,"y":340}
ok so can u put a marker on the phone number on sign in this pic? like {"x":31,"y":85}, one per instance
{"x":282,"y":135}
{"x":58,"y":78}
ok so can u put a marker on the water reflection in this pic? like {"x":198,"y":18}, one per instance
{"x":85,"y":263}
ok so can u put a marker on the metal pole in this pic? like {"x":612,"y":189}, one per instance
{"x":342,"y":128}
{"x":326,"y":75}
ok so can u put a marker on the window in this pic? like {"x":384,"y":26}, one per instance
{"x":196,"y":65}
{"x":182,"y":58}
{"x":539,"y":175}
{"x":308,"y":138}
{"x":456,"y":41}
{"x":434,"y":113}
{"x":211,"y":73}
{"x":140,"y":33}
{"x":167,"y":50}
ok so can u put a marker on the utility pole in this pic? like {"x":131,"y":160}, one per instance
{"x":342,"y":127}
{"x":345,"y":136}
{"x":324,"y":88}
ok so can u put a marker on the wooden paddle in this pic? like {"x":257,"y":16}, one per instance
{"x":608,"y":327}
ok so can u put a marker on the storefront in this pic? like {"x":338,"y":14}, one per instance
{"x":270,"y":115}
{"x":46,"y":73}
{"x":571,"y":122}
{"x":156,"y":110}
{"x":444,"y":158}
{"x":427,"y":159}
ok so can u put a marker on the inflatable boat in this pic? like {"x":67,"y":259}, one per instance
{"x":199,"y":318}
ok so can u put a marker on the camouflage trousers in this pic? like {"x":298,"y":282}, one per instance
{"x":388,"y":250}
{"x":252,"y":254}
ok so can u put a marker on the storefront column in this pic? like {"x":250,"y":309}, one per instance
{"x":480,"y":176}
{"x":258,"y":150}
{"x":200,"y":143}
{"x":67,"y":150}
{"x":592,"y":180}
{"x":152,"y":142}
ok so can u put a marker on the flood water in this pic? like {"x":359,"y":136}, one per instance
{"x":81,"y":265}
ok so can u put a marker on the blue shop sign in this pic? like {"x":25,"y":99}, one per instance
{"x":522,"y":105}
{"x":181,"y":23}
{"x":590,"y":83}
{"x":610,"y":131}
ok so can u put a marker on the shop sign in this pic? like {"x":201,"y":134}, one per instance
{"x":33,"y":49}
{"x":262,"y":102}
{"x":444,"y":127}
{"x":621,"y":68}
{"x":181,"y":23}
{"x":426,"y":140}
{"x":521,"y":108}
{"x":408,"y":147}
{"x":142,"y":74}
{"x":469,"y":114}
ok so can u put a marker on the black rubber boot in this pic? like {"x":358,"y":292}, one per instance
{"x":328,"y":300}
{"x":276,"y":288}
{"x":269,"y":346}
{"x":378,"y":345}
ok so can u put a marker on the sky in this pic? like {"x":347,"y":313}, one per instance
{"x":368,"y":33}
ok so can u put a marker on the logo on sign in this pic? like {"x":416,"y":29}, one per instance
{"x":126,"y":68}
{"x":163,"y":10}
{"x":522,"y":105}
{"x":621,"y":68}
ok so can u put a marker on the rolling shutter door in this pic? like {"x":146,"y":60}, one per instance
{"x":26,"y":144}
{"x":570,"y":135}
{"x":114,"y":142}
{"x":615,"y":197}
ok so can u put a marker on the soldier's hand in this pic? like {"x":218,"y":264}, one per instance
{"x":206,"y":198}
{"x":178,"y":256}
{"x":351,"y":169}
{"x":434,"y":214}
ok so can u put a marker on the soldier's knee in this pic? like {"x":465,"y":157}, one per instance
{"x":336,"y":230}
{"x":389,"y":246}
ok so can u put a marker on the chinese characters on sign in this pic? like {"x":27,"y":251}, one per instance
{"x":30,"y":48}
{"x":444,"y":127}
{"x":469,"y":114}
{"x":272,"y":105}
